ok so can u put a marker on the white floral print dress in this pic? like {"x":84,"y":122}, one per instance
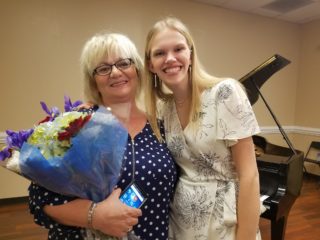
{"x":204,"y":204}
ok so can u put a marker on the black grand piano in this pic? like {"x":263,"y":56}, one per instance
{"x":280,"y":168}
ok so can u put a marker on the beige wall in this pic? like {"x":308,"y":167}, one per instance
{"x":41,"y":41}
{"x":309,"y":79}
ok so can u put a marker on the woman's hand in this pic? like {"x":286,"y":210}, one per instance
{"x":85,"y":105}
{"x":113,"y":217}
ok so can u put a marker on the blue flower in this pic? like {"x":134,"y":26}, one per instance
{"x":5,"y":153}
{"x":16,"y":139}
{"x":69,"y":106}
{"x":53,"y":112}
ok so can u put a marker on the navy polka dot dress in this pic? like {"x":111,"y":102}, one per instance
{"x":155,"y":172}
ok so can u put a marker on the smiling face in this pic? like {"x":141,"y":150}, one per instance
{"x":170,"y":58}
{"x":118,"y":87}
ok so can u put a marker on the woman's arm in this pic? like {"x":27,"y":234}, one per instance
{"x":38,"y":198}
{"x":111,"y":216}
{"x":249,"y":193}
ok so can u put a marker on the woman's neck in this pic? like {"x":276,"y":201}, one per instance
{"x":182,"y":97}
{"x":129,"y":115}
{"x":137,"y":121}
{"x":183,"y":107}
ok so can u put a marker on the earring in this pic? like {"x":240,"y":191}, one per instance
{"x":155,"y":80}
{"x":190,"y":71}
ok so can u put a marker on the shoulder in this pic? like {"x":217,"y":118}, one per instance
{"x":224,"y":88}
{"x":160,"y":123}
{"x":228,"y":83}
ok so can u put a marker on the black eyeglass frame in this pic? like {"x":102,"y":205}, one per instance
{"x":116,"y":64}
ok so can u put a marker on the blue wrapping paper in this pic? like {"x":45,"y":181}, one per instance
{"x":90,"y":169}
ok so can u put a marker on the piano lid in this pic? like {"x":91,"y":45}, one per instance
{"x":257,"y":77}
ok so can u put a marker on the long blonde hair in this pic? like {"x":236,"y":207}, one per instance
{"x":199,"y":79}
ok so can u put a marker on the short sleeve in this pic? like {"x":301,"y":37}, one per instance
{"x":235,"y":116}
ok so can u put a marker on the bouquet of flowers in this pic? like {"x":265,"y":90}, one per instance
{"x":73,"y":153}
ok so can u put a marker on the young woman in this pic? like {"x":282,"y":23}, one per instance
{"x":112,"y":75}
{"x":208,"y":123}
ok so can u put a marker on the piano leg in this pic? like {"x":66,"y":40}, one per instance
{"x":278,"y":228}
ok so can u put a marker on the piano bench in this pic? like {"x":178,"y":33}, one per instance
{"x":313,"y":154}
{"x":312,"y":160}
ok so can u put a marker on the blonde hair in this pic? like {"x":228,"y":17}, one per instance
{"x":199,"y":79}
{"x":99,"y":47}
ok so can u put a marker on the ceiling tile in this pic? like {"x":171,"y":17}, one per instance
{"x":304,"y":10}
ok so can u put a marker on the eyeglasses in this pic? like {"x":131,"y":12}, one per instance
{"x":106,"y":69}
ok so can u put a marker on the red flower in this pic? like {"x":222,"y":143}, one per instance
{"x":73,"y":128}
{"x":47,"y":119}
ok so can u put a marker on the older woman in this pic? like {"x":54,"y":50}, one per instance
{"x":112,"y":70}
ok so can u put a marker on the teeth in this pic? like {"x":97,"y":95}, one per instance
{"x":172,"y":70}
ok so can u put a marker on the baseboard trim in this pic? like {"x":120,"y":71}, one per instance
{"x":14,"y":200}
{"x":264,"y":130}
{"x":291,"y":129}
